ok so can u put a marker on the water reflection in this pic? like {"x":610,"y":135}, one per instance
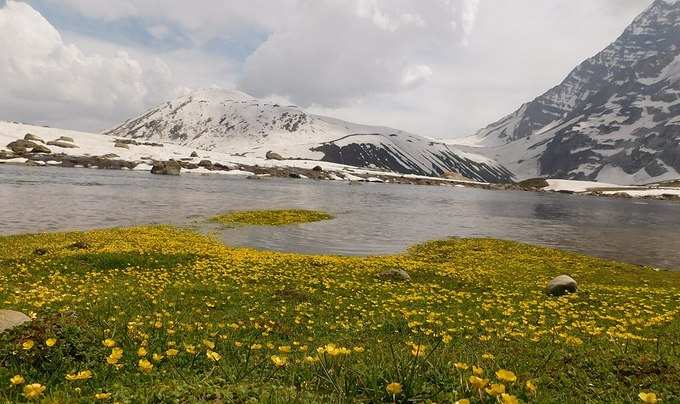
{"x":370,"y":218}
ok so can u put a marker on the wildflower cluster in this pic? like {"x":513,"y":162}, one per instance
{"x":163,"y":314}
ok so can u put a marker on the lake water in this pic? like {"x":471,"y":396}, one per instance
{"x":370,"y":218}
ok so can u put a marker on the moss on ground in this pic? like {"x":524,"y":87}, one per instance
{"x":159,"y":314}
{"x":271,"y":217}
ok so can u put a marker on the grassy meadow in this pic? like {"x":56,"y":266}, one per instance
{"x":162,"y":314}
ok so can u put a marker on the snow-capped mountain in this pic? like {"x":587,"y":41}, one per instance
{"x":615,"y":118}
{"x":236,"y":123}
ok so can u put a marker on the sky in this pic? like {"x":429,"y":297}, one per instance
{"x":438,"y":68}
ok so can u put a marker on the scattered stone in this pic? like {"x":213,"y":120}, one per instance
{"x":10,"y":319}
{"x":33,"y":138}
{"x":317,"y":169}
{"x":166,"y":168}
{"x":79,"y":245}
{"x":397,"y":275}
{"x":41,"y":149}
{"x":455,"y":176}
{"x":561,"y":286}
{"x":205,"y":164}
{"x":40,"y":251}
{"x":62,"y":143}
{"x":66,"y":139}
{"x":193,"y":154}
{"x":273,"y":156}
{"x":533,"y":184}
{"x":121,"y":145}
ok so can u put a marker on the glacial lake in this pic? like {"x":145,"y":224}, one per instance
{"x":371,"y":219}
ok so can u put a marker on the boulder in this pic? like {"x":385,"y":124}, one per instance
{"x":273,"y":156}
{"x":205,"y":164}
{"x":121,"y":145}
{"x":6,"y":155}
{"x":166,"y":168}
{"x":193,"y":154}
{"x":561,"y":286}
{"x":66,"y":139}
{"x":397,"y":275}
{"x":10,"y":319}
{"x":317,"y":169}
{"x":62,"y":143}
{"x":33,"y":138}
{"x":21,"y":146}
{"x":41,"y":149}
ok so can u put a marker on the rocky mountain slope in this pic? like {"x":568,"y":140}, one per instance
{"x":236,"y":123}
{"x":615,"y":118}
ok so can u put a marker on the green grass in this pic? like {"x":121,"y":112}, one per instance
{"x":271,"y":217}
{"x":343,"y":334}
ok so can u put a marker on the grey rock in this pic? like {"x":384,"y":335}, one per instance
{"x":273,"y":156}
{"x":194,"y":154}
{"x":397,"y":275}
{"x":66,"y":139}
{"x":561,"y":286}
{"x":6,"y":155}
{"x":317,"y":169}
{"x":41,"y":149}
{"x":121,"y":145}
{"x":166,"y":168}
{"x":34,"y":138}
{"x":62,"y":143}
{"x":10,"y":319}
{"x":21,"y":146}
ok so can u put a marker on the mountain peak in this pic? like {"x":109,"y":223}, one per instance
{"x":615,"y":118}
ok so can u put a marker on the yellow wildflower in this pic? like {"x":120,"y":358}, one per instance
{"x":213,"y":356}
{"x":82,"y":375}
{"x":145,"y":366}
{"x":256,"y":347}
{"x":33,"y":391}
{"x":142,"y":351}
{"x":208,"y":344}
{"x":50,"y":342}
{"x":284,"y":349}
{"x":116,"y":354}
{"x":506,"y":376}
{"x":463,"y":401}
{"x":478,"y":382}
{"x":109,"y":343}
{"x":496,"y":389}
{"x":28,"y":344}
{"x":102,"y":396}
{"x":461,"y":365}
{"x":157,"y":357}
{"x":648,"y":397}
{"x":171,"y":352}
{"x":279,"y":361}
{"x":17,"y":380}
{"x":509,"y":399}
{"x":393,"y":388}
{"x":531,"y":387}
{"x":477,"y":371}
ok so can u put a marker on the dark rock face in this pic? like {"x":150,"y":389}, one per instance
{"x":619,"y":110}
{"x":166,"y":168}
{"x":193,"y":155}
{"x":365,"y":155}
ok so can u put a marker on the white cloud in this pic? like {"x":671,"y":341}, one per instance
{"x":38,"y":69}
{"x":332,"y":52}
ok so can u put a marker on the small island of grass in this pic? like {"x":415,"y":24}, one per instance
{"x":271,"y":217}
{"x":160,"y":314}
